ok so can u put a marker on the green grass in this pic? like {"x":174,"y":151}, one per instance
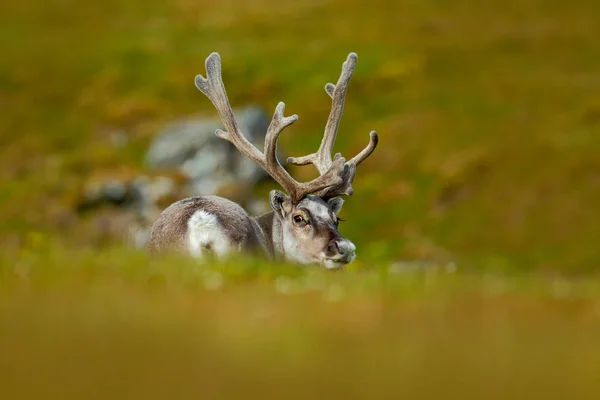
{"x":120,"y":325}
{"x":489,"y":121}
{"x":487,"y":113}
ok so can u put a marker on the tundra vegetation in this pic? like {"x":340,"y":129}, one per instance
{"x":476,"y":221}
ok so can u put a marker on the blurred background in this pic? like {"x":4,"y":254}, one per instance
{"x":487,"y":176}
{"x":488,"y":114}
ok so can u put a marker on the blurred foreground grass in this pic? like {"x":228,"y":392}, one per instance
{"x":119,"y":325}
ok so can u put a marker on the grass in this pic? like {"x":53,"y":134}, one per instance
{"x":119,"y":325}
{"x":488,"y":114}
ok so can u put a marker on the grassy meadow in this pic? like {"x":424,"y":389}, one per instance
{"x":477,"y":219}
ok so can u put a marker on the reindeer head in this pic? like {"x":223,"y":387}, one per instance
{"x":308,"y":214}
{"x":309,"y":230}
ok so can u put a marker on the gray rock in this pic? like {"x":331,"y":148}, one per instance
{"x":209,"y":165}
{"x":205,"y":186}
{"x":178,"y":142}
{"x":182,"y":140}
{"x":99,"y":191}
{"x":145,"y":190}
{"x":138,"y":193}
{"x":115,"y":191}
{"x":207,"y":161}
{"x":245,"y":170}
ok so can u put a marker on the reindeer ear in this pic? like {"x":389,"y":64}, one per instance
{"x":335,"y":204}
{"x":277,"y":199}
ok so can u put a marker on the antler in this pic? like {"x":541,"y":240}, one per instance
{"x":212,"y":86}
{"x":322,"y":158}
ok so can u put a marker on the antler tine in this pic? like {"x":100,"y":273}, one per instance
{"x":278,"y":123}
{"x":366,"y":152}
{"x":334,"y":176}
{"x":346,"y":187}
{"x":212,"y":86}
{"x":322,"y":158}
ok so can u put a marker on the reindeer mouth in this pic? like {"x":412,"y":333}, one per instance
{"x":336,"y":263}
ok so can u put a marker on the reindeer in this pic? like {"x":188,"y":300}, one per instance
{"x":303,"y":226}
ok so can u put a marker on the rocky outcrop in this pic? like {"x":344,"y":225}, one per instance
{"x":184,"y":159}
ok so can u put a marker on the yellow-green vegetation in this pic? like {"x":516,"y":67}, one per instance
{"x":489,"y":156}
{"x":116,"y":324}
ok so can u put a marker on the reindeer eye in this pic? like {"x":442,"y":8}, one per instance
{"x":298,"y":219}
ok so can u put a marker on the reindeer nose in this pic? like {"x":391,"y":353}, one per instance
{"x":342,"y":247}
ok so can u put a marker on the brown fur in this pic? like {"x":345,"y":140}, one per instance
{"x":313,"y":239}
{"x":265,"y":222}
{"x":170,"y":230}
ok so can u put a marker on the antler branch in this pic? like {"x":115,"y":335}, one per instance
{"x":212,"y":86}
{"x":322,"y":158}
